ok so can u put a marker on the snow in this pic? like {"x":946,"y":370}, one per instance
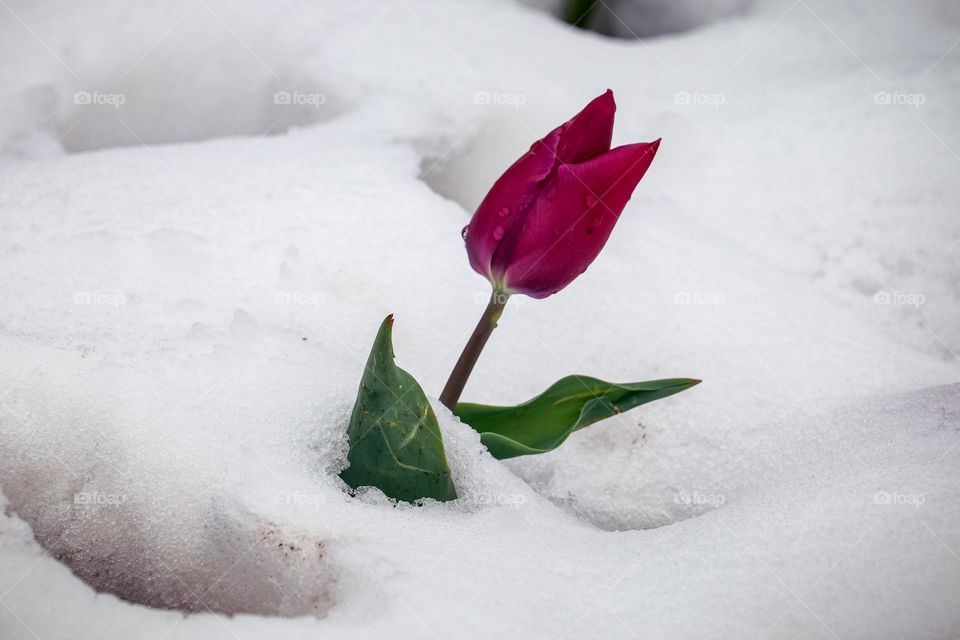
{"x":195,"y":271}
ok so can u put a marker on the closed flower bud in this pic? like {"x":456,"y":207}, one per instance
{"x":549,"y":215}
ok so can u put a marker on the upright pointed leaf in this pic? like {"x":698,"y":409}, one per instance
{"x":544,"y":422}
{"x":395,"y":441}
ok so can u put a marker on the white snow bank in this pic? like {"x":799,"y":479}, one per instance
{"x":184,"y":326}
{"x":850,"y":542}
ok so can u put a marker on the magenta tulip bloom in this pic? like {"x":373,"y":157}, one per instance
{"x":549,"y":215}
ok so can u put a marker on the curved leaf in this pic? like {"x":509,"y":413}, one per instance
{"x":544,"y":422}
{"x":395,"y":441}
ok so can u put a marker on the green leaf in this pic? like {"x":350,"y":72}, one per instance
{"x":543,"y":423}
{"x":395,"y":441}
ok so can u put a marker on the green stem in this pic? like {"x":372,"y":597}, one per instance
{"x":461,"y":371}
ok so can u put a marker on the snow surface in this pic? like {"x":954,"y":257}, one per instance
{"x":193,"y":278}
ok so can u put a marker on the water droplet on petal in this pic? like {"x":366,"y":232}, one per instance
{"x":551,"y":193}
{"x":594,"y":223}
{"x":590,"y":200}
{"x":504,"y":212}
{"x":498,"y":232}
{"x":464,"y":232}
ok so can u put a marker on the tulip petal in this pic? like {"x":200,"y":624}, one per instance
{"x":584,"y":136}
{"x":589,"y":133}
{"x":565,"y":229}
{"x":508,"y":200}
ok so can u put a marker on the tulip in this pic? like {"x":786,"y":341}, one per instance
{"x":548,"y":216}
